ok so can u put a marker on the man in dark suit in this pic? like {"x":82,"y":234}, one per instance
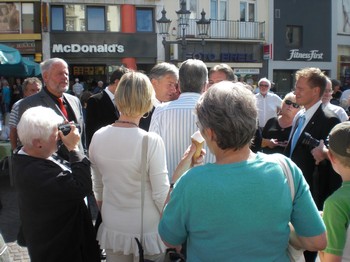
{"x":56,"y":79}
{"x":101,"y":109}
{"x":164,"y":78}
{"x":318,"y":122}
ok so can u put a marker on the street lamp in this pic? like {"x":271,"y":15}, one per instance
{"x":203,"y":27}
{"x":183,"y":21}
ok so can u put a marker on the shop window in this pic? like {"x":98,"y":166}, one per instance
{"x":293,"y":36}
{"x":88,"y":70}
{"x":144,"y":20}
{"x":57,"y":18}
{"x":96,"y":18}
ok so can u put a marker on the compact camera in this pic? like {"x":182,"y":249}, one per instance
{"x":65,"y":128}
{"x":311,"y":141}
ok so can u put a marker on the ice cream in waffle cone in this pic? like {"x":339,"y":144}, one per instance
{"x":198,"y":140}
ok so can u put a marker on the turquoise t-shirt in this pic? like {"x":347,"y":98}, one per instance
{"x":336,"y":216}
{"x":239,"y":211}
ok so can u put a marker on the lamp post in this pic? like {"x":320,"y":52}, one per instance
{"x":183,"y":22}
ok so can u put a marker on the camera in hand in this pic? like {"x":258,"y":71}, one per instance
{"x":65,"y":128}
{"x":311,"y":141}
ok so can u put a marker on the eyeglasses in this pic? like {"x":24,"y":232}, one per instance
{"x":264,"y":85}
{"x":288,"y":102}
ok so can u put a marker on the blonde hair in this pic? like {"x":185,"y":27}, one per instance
{"x":289,"y":96}
{"x":134,"y":94}
{"x":343,"y":160}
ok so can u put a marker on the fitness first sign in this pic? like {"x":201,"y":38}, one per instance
{"x":312,"y":55}
{"x":96,"y":49}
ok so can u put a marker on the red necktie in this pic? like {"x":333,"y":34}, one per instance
{"x":62,"y":107}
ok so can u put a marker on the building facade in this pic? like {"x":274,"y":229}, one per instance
{"x":266,"y":38}
{"x":20,"y":29}
{"x":236,"y":36}
{"x":308,"y":34}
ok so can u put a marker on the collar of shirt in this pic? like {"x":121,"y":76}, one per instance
{"x":54,"y":98}
{"x":308,"y":113}
{"x":267,"y":94}
{"x":110,"y":94}
{"x":155,"y":102}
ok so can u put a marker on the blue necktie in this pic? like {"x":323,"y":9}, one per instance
{"x":300,"y":123}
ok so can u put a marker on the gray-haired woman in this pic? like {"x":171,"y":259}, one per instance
{"x":238,"y":208}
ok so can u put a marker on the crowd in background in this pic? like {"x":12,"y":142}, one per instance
{"x":234,"y":184}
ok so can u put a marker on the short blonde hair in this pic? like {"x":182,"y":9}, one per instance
{"x":134,"y":94}
{"x":289,"y":96}
{"x":343,"y":160}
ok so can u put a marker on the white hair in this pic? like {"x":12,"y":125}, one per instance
{"x":265,"y":80}
{"x":37,"y":122}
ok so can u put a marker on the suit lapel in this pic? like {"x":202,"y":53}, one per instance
{"x":110,"y":104}
{"x":311,"y":124}
{"x":73,"y":106}
{"x":48,"y":101}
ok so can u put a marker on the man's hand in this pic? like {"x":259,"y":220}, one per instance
{"x":71,"y":140}
{"x":320,"y":153}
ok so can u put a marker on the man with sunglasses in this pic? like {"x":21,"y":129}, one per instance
{"x":317,"y":122}
{"x":269,"y":104}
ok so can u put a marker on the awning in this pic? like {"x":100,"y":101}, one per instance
{"x":12,"y":64}
{"x":9,"y":55}
{"x":25,"y":68}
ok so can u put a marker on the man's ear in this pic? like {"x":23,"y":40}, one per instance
{"x":210,"y":134}
{"x":331,"y":157}
{"x":37,"y":143}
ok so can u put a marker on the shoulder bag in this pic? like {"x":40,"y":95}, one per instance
{"x":295,"y":255}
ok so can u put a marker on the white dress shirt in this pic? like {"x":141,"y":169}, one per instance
{"x":175,"y":122}
{"x":267,"y":107}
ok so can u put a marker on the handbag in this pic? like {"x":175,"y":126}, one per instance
{"x":295,"y":255}
{"x":171,"y":253}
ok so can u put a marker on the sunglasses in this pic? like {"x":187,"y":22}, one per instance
{"x":288,"y":102}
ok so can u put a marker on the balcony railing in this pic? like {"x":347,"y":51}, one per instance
{"x":233,"y":30}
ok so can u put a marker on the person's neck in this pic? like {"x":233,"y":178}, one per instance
{"x":32,"y":151}
{"x":311,"y":104}
{"x":233,"y":156}
{"x":285,"y":121}
{"x":112,"y":88}
{"x":127,"y":121}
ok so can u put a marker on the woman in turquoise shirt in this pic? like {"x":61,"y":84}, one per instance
{"x":238,"y":208}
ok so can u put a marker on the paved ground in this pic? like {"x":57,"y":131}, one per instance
{"x":9,"y":220}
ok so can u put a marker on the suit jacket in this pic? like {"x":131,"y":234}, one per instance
{"x":145,"y":121}
{"x":322,"y":179}
{"x":43,"y":99}
{"x":56,"y":223}
{"x":100,"y":111}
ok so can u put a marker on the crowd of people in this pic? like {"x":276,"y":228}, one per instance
{"x":232,"y":203}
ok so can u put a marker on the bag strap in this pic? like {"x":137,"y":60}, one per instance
{"x":143,"y":177}
{"x":288,"y":174}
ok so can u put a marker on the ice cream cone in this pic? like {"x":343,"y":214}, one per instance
{"x":198,"y":140}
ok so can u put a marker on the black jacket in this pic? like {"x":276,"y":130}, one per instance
{"x":56,"y":223}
